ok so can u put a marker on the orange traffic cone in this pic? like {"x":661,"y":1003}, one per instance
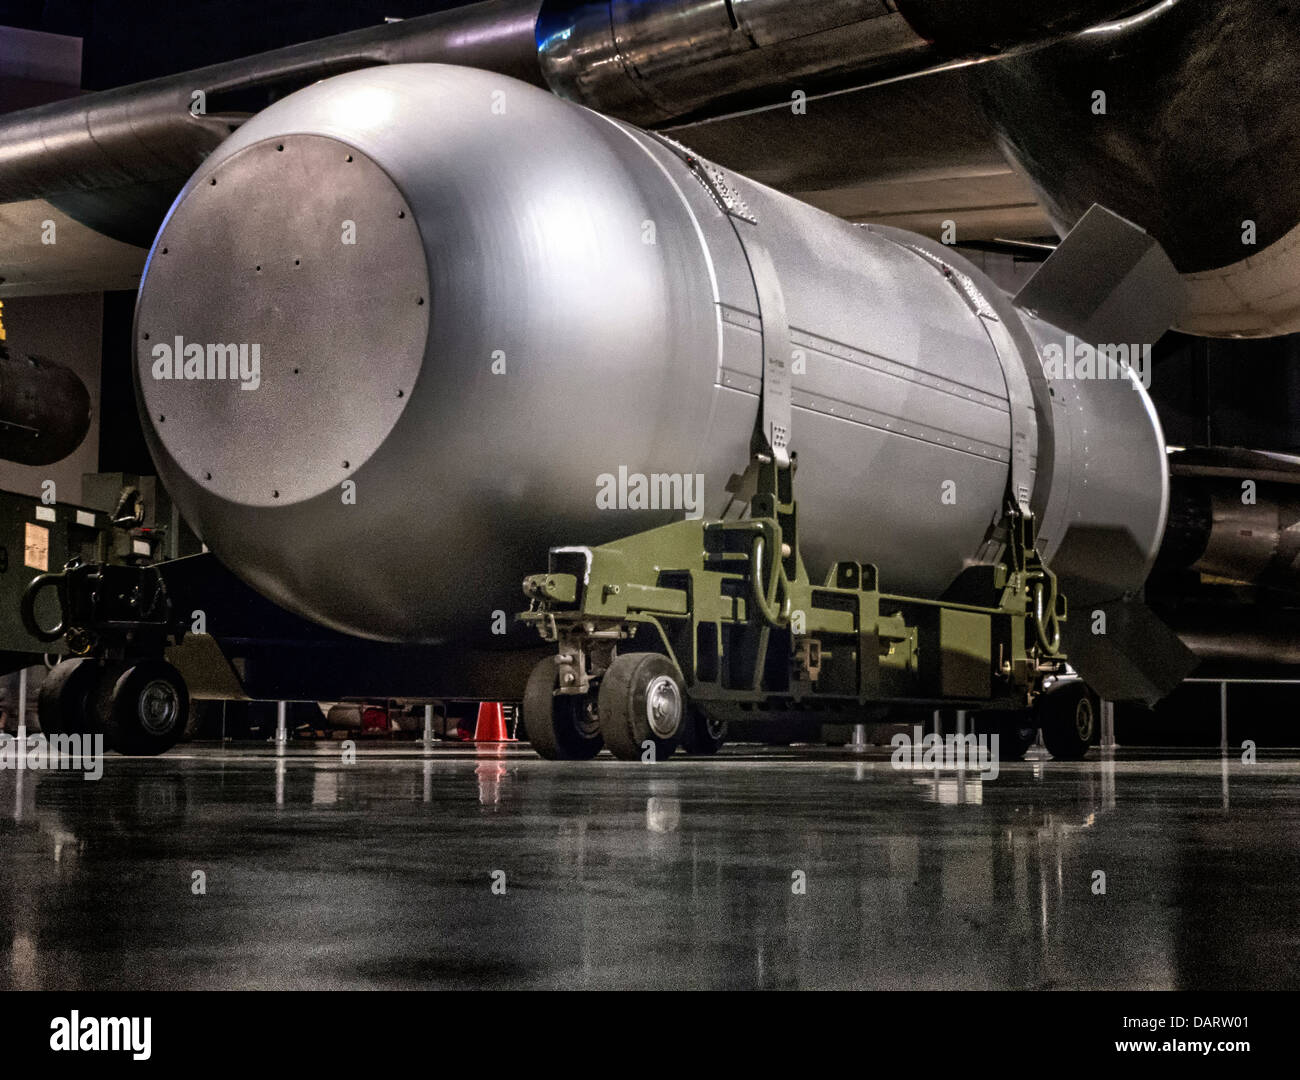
{"x":491,"y":725}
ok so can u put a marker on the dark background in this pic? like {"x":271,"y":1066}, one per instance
{"x":128,"y":41}
{"x":1229,"y":393}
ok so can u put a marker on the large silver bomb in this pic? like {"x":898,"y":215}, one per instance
{"x":472,"y":304}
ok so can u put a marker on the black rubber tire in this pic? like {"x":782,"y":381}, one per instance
{"x":1016,"y":735}
{"x":702,"y":735}
{"x":65,"y":701}
{"x":622,"y":707}
{"x":1017,"y":731}
{"x":558,"y":726}
{"x":144,"y":707}
{"x":1069,"y":715}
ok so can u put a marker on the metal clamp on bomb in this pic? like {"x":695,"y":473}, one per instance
{"x":1047,"y":608}
{"x":774,"y":614}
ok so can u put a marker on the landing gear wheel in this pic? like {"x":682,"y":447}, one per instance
{"x":641,"y":700}
{"x":560,"y":727}
{"x":64,"y":703}
{"x":1068,"y":715}
{"x":144,"y":707}
{"x":702,"y":734}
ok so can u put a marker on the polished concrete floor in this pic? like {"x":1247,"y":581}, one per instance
{"x":760,"y":868}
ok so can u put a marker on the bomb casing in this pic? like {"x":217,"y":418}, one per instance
{"x":472,"y":301}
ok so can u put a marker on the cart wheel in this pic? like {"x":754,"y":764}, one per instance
{"x":144,"y":708}
{"x":560,"y":727}
{"x":1017,"y":731}
{"x":1068,"y":715}
{"x":641,"y":701}
{"x":702,"y":733}
{"x":64,"y":702}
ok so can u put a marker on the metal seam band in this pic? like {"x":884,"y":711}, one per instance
{"x":1022,"y":477}
{"x":775,"y":406}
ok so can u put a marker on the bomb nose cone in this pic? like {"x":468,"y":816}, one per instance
{"x":274,"y":352}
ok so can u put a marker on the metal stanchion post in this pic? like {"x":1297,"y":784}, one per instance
{"x":1108,"y":725}
{"x":1223,"y":717}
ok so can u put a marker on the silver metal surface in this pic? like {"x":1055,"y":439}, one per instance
{"x":663,"y":706}
{"x":339,"y":327}
{"x":652,"y":62}
{"x":591,"y":311}
{"x":82,"y":260}
{"x":115,"y":159}
{"x":1025,"y":383}
{"x":1107,"y":285}
{"x":1258,"y":641}
{"x":1235,"y":528}
{"x":1255,"y":543}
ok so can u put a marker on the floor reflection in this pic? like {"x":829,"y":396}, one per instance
{"x":774,"y":869}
